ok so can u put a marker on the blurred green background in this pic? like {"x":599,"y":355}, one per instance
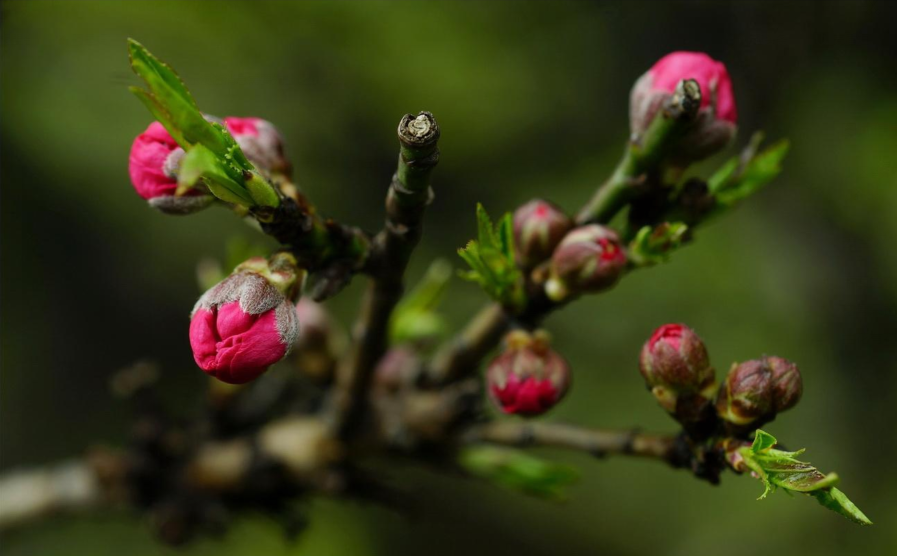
{"x":532,"y":99}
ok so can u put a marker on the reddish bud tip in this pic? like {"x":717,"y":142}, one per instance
{"x":261,"y":143}
{"x":715,"y":124}
{"x":538,"y":227}
{"x":528,"y":378}
{"x":676,"y":367}
{"x":588,"y":259}
{"x":153,"y":165}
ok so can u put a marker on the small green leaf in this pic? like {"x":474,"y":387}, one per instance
{"x":836,"y":501}
{"x":491,"y":259}
{"x":201,"y":164}
{"x":781,"y":469}
{"x":519,"y":471}
{"x":653,"y":246}
{"x":415,"y":318}
{"x":742,"y":176}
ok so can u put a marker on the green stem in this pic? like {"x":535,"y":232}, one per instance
{"x":643,"y":155}
{"x":408,"y":196}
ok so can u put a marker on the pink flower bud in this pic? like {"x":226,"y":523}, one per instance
{"x":588,"y":259}
{"x":153,"y":165}
{"x":675,"y":364}
{"x":787,"y":385}
{"x":260,"y":142}
{"x":244,"y":324}
{"x":538,"y":227}
{"x":528,"y":377}
{"x":714,"y":126}
{"x":397,"y":368}
{"x":316,"y":325}
{"x":747,"y":397}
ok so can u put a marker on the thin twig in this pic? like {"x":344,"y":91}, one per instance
{"x":408,"y":196}
{"x":597,"y":442}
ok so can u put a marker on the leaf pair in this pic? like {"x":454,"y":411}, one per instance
{"x":519,"y":471}
{"x":212,"y":154}
{"x":491,"y":259}
{"x":743,"y":175}
{"x":781,"y":469}
{"x":653,"y":245}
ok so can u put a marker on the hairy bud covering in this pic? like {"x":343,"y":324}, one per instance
{"x":245,"y":323}
{"x":758,"y":389}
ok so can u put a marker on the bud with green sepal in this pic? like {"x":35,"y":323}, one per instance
{"x":213,"y":157}
{"x":588,"y":259}
{"x":538,"y":227}
{"x":676,"y":368}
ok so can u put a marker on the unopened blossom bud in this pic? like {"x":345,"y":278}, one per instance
{"x":247,"y":322}
{"x":317,"y":345}
{"x":538,"y":227}
{"x":260,"y":142}
{"x":787,"y":385}
{"x":153,"y":165}
{"x":676,"y":367}
{"x":397,"y":368}
{"x":528,"y":377}
{"x":588,"y":259}
{"x":747,"y":397}
{"x":714,"y":126}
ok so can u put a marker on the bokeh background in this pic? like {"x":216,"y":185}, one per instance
{"x":532,"y":99}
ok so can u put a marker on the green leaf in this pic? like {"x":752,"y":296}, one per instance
{"x":519,"y":471}
{"x":653,"y":246}
{"x":231,"y":177}
{"x":836,"y":501}
{"x":415,"y":319}
{"x":491,"y":259}
{"x":201,"y":164}
{"x":781,"y":469}
{"x":742,"y":176}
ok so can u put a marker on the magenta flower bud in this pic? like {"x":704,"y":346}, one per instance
{"x":246,"y":323}
{"x":260,"y":142}
{"x":538,"y":227}
{"x":153,"y":165}
{"x":787,"y":385}
{"x":747,"y":397}
{"x":676,"y":367}
{"x":528,"y":377}
{"x":715,"y":124}
{"x":588,"y":259}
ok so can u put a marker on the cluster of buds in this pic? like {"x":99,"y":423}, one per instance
{"x":676,"y":368}
{"x":155,"y":161}
{"x":538,"y":228}
{"x":248,"y":321}
{"x":588,"y":259}
{"x":528,"y":378}
{"x":715,"y":124}
{"x":756,"y":390}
